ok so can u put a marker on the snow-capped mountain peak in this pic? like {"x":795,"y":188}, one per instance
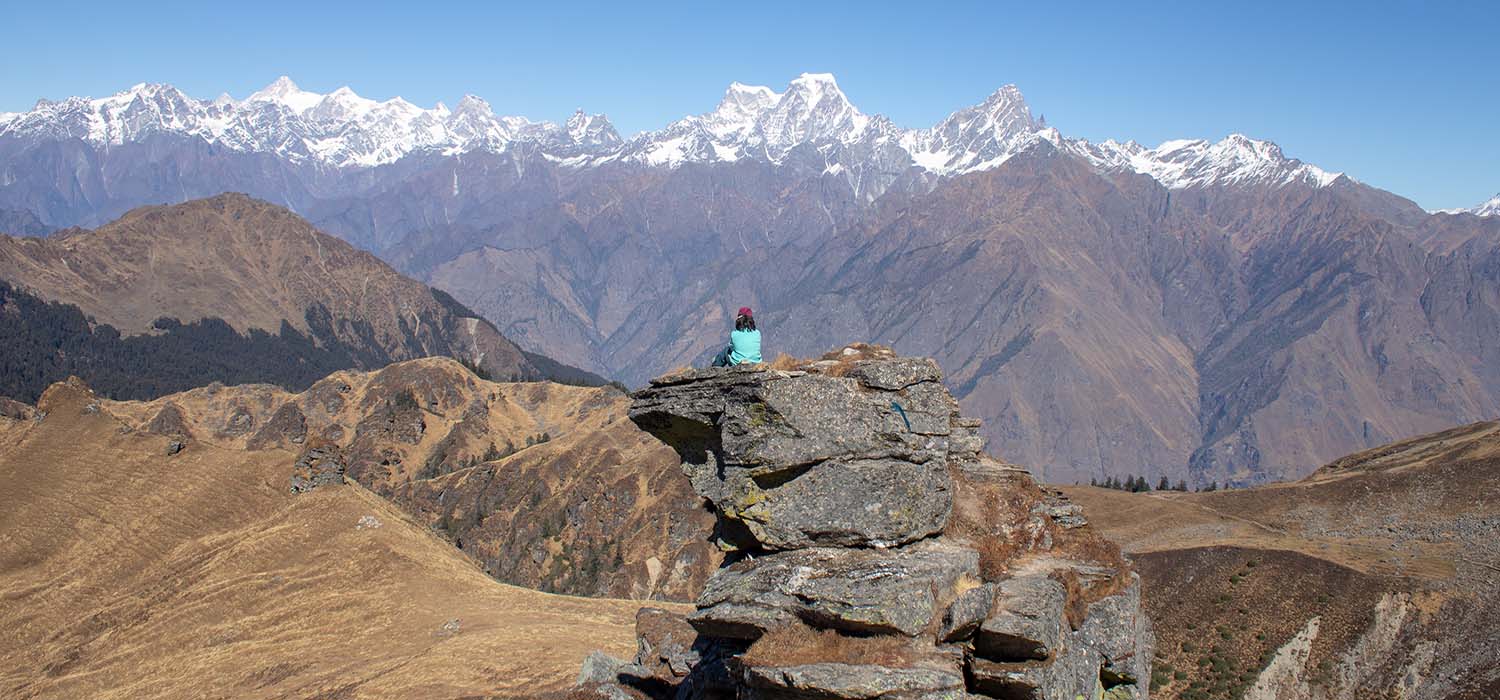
{"x":592,"y":130}
{"x":813,"y":108}
{"x":341,"y":104}
{"x":749,"y":99}
{"x":978,"y":137}
{"x":1490,"y":208}
{"x":284,"y":92}
{"x":737,"y":113}
{"x":1237,"y":159}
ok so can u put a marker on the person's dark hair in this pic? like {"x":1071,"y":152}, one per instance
{"x":744,"y":323}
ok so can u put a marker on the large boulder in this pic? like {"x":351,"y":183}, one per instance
{"x":1070,"y":676}
{"x":1027,"y":620}
{"x":800,"y":459}
{"x":861,"y":591}
{"x":967,"y":613}
{"x":858,"y":502}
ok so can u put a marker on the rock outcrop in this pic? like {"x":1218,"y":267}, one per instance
{"x":875,"y":551}
{"x":318,"y":465}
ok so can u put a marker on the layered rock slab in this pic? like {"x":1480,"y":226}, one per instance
{"x":860,"y":591}
{"x":799,"y":459}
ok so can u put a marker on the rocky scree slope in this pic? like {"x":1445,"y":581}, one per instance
{"x":876,"y":552}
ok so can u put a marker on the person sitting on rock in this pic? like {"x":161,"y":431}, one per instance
{"x":744,"y":342}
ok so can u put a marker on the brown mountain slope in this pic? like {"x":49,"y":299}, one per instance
{"x":257,"y":267}
{"x":1174,"y":337}
{"x":548,"y":486}
{"x":127,"y":573}
{"x":1374,"y":577}
{"x":1236,"y":334}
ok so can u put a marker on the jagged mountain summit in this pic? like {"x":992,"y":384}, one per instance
{"x":1489,"y":208}
{"x":811,"y":116}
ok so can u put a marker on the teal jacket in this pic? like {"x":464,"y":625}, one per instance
{"x":744,"y":347}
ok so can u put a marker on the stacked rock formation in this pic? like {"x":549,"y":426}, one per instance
{"x":875,"y":551}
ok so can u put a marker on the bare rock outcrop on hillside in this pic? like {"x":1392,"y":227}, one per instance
{"x":876,"y":551}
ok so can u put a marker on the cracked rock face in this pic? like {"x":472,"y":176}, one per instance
{"x":861,"y":591}
{"x":876,"y":552}
{"x":316,"y":467}
{"x":800,"y":459}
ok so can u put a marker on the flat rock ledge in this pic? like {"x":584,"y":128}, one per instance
{"x":874,"y":550}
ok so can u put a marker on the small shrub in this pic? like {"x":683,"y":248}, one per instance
{"x":995,"y":555}
{"x":799,"y":644}
{"x":785,"y":362}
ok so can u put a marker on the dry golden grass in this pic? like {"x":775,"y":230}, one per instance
{"x":125,"y":573}
{"x":994,"y":518}
{"x":442,"y":387}
{"x":1077,"y":606}
{"x":1338,"y":514}
{"x":997,"y":518}
{"x":785,"y":363}
{"x":799,"y":644}
{"x":1236,"y":573}
{"x":861,"y":351}
{"x":1260,"y":518}
{"x":475,"y":470}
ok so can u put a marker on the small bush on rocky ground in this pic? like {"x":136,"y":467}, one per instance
{"x":995,"y":555}
{"x":799,"y":644}
{"x":784,"y":362}
{"x":989,"y":516}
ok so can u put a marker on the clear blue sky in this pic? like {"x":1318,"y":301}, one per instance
{"x":1404,"y":96}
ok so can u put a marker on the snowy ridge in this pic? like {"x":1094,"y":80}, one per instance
{"x":1490,"y":207}
{"x":811,"y":125}
{"x":340,"y":129}
{"x":1179,"y":164}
